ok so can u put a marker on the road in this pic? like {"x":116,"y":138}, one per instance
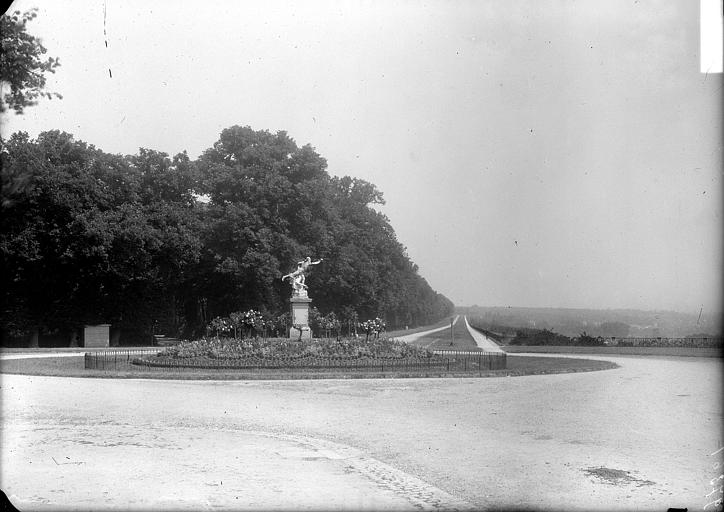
{"x":74,"y":352}
{"x":482,"y":341}
{"x":40,"y":355}
{"x":411,"y":338}
{"x":637,"y":437}
{"x":431,"y":338}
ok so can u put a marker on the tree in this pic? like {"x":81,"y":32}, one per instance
{"x":93,"y":237}
{"x":50,"y":246}
{"x":22,"y":67}
{"x":82,"y":244}
{"x":273,"y":203}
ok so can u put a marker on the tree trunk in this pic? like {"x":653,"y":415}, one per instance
{"x":74,"y":338}
{"x":33,"y":340}
{"x":115,"y":337}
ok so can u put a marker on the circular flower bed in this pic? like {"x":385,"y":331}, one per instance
{"x":285,"y":348}
{"x":316,"y":357}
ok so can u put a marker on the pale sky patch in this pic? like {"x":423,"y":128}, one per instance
{"x":539,"y":153}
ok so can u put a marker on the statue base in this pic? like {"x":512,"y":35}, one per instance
{"x":300,"y":317}
{"x":306,"y":333}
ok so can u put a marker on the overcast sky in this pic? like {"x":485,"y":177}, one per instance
{"x":537,"y":153}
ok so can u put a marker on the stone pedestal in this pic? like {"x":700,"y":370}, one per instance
{"x":300,"y":316}
{"x":96,"y":335}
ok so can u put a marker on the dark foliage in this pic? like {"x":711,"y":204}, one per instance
{"x":91,"y":237}
{"x":544,"y":337}
{"x":550,"y":338}
{"x":585,"y":340}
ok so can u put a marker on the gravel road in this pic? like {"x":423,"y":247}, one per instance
{"x":482,"y":341}
{"x":410,"y":338}
{"x":639,"y":436}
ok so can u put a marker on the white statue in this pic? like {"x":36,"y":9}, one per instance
{"x":297,"y":277}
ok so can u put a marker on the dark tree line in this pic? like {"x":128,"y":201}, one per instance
{"x":150,"y":243}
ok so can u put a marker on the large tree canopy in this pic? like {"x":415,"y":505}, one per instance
{"x":22,"y":65}
{"x":95,"y":237}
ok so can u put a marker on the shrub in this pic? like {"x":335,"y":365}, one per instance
{"x":586,"y":340}
{"x":372,"y":327}
{"x":544,"y":337}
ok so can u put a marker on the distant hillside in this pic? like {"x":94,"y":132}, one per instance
{"x":600,"y":322}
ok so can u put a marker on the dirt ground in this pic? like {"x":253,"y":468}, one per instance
{"x":637,"y":437}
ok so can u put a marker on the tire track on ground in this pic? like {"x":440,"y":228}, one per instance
{"x":420,"y":494}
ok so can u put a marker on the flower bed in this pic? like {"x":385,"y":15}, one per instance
{"x":289,"y":349}
{"x":350,"y":356}
{"x":304,"y":363}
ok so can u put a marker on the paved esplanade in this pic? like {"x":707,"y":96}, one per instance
{"x":637,"y":437}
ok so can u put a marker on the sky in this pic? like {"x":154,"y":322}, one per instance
{"x":543,"y":153}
